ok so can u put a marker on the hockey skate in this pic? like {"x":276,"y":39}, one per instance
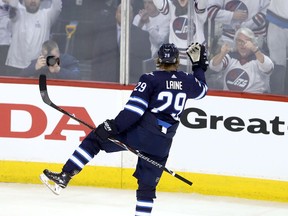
{"x":55,"y":181}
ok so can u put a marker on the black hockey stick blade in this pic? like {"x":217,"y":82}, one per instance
{"x":46,"y":99}
{"x":43,"y":89}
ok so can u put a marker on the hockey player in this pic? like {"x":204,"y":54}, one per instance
{"x":147,"y":123}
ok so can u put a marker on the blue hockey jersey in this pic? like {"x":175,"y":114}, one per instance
{"x":163,"y":93}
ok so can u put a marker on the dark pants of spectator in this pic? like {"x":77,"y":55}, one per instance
{"x":278,"y":80}
{"x":3,"y":54}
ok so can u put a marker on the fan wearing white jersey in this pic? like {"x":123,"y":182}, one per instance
{"x":30,"y":28}
{"x":236,"y":14}
{"x":151,"y":20}
{"x":245,"y":70}
{"x":177,"y":11}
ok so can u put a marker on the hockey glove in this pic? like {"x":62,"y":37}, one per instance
{"x":198,"y":56}
{"x":106,"y":129}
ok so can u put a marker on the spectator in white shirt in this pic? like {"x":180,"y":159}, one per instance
{"x":30,"y":28}
{"x":177,"y":11}
{"x":151,"y":20}
{"x":245,"y":68}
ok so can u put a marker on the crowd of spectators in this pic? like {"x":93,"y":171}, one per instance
{"x":247,"y":40}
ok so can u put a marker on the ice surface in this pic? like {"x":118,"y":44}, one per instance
{"x":36,"y":199}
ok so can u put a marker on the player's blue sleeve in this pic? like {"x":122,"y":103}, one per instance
{"x":200,"y":88}
{"x":136,"y":105}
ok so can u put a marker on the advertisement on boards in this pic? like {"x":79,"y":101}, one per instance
{"x":217,"y":135}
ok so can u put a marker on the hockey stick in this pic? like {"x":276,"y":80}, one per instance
{"x":46,"y":99}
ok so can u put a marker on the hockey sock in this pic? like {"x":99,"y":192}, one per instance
{"x":144,"y":207}
{"x":81,"y":156}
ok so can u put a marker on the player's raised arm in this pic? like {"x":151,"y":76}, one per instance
{"x":198,"y":56}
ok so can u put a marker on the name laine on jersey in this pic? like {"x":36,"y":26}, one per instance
{"x":174,"y":85}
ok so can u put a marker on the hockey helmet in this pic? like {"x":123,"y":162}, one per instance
{"x":168,"y":53}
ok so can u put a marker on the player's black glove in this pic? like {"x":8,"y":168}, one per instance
{"x":106,"y":129}
{"x":198,"y":56}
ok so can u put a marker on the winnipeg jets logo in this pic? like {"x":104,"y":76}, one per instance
{"x":236,"y":5}
{"x":180,"y":27}
{"x":237,"y":80}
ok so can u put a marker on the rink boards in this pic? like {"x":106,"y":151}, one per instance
{"x":228,"y":144}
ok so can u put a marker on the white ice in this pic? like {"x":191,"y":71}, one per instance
{"x":32,"y":200}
